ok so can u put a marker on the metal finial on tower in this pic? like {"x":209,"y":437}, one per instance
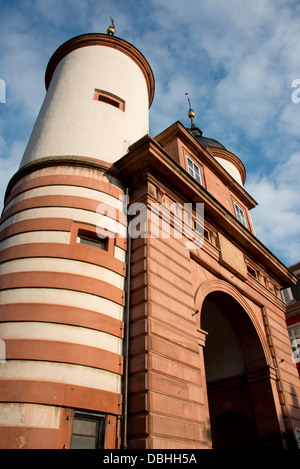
{"x":111,"y":29}
{"x":191,"y":113}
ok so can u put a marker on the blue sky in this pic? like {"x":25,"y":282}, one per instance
{"x":236,"y":59}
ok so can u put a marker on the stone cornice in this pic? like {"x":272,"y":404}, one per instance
{"x":147,"y":155}
{"x":97,"y":39}
{"x":178,"y":130}
{"x":67,"y":160}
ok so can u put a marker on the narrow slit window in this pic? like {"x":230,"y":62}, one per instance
{"x":109,"y":98}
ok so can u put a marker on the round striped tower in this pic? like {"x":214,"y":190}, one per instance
{"x":62,"y":285}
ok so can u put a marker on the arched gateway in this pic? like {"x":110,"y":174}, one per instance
{"x":240,"y":377}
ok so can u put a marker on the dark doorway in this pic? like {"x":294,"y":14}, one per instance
{"x":234,"y":430}
{"x":241,"y":404}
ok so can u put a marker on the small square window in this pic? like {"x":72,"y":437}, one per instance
{"x":294,"y":336}
{"x":294,"y":331}
{"x":252,"y":271}
{"x":202,"y":231}
{"x":240,"y":214}
{"x":194,"y":170}
{"x":91,"y":239}
{"x":88,"y":431}
{"x":287,"y":295}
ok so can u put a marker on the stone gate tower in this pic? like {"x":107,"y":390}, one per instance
{"x":149,"y":341}
{"x":62,"y":283}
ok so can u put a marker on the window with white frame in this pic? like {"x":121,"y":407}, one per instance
{"x":91,"y":239}
{"x":240,"y":214}
{"x":294,"y":335}
{"x":287,"y":295}
{"x":91,"y":242}
{"x":193,"y":170}
{"x":294,"y":331}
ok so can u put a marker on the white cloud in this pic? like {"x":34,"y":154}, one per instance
{"x":289,"y":119}
{"x":277,"y":217}
{"x":252,"y":57}
{"x":252,"y":49}
{"x":237,"y":62}
{"x":9,"y":166}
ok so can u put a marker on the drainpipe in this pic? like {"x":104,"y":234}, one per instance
{"x":126,"y":332}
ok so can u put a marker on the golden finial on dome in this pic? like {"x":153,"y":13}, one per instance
{"x":191,"y":113}
{"x":111,"y":29}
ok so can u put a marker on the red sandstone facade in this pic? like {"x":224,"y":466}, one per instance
{"x":291,"y":296}
{"x":157,"y":345}
{"x":183,"y":302}
{"x":58,"y":393}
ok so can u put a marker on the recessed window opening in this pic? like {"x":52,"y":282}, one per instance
{"x":203,"y":231}
{"x":91,"y":239}
{"x":206,"y":234}
{"x":193,"y":170}
{"x":294,"y":335}
{"x":109,"y":98}
{"x":287,"y":295}
{"x":294,"y":331}
{"x":88,"y":431}
{"x":251,"y":271}
{"x":240,"y":214}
